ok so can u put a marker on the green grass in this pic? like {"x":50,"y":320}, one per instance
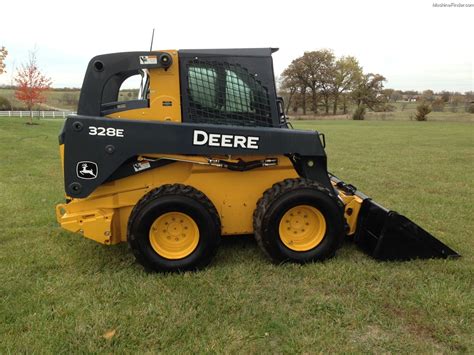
{"x":61,"y":293}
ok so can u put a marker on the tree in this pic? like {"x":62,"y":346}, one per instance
{"x":396,"y":95}
{"x":5,"y":104}
{"x":329,"y":81}
{"x":368,"y":92}
{"x":298,"y":76}
{"x":359,"y":113}
{"x":31,"y":85}
{"x":317,"y":66}
{"x":69,"y":99}
{"x":457,"y":100}
{"x":469,"y":95}
{"x":422,"y":111}
{"x":346,"y":74}
{"x":438,"y":105}
{"x":445,"y":95}
{"x":428,"y":95}
{"x":410,"y":94}
{"x":346,"y":98}
{"x":3,"y":55}
{"x":289,"y":86}
{"x":470,"y":108}
{"x":387,"y":93}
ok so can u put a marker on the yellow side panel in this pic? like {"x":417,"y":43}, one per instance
{"x":165,"y":99}
{"x":234,"y":194}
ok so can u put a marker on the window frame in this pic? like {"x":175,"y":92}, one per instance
{"x":260,"y":66}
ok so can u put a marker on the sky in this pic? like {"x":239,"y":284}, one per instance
{"x":415,"y":45}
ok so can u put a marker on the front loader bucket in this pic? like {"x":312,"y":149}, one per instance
{"x":387,"y":235}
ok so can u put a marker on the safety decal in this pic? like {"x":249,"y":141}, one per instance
{"x":141,"y":166}
{"x":148,"y":59}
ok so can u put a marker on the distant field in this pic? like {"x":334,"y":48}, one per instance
{"x":56,"y":99}
{"x":404,"y":111}
{"x":66,"y":100}
{"x":62,"y":293}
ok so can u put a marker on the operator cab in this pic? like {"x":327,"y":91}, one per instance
{"x":221,"y":86}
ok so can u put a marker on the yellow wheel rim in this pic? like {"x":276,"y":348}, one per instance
{"x":302,"y":228}
{"x":174,"y":235}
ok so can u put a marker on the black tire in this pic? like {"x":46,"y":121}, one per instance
{"x":279,"y":199}
{"x":174,"y":198}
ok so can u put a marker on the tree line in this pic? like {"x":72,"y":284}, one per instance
{"x":320,"y":83}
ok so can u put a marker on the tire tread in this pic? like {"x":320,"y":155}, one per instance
{"x":278,"y":189}
{"x":167,"y":190}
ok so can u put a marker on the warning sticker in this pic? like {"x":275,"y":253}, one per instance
{"x":148,"y":59}
{"x":141,"y":166}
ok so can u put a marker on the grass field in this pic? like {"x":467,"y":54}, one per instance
{"x":62,"y":293}
{"x":404,"y":111}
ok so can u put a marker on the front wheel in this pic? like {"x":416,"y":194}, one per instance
{"x":299,"y":220}
{"x":174,"y":228}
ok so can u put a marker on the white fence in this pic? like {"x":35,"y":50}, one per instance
{"x":40,"y":114}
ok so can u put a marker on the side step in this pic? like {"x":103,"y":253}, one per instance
{"x":387,"y":235}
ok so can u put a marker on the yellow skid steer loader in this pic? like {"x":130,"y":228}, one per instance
{"x":205,"y":150}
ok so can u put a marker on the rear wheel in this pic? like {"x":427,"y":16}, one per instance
{"x":299,"y":220}
{"x":174,"y":228}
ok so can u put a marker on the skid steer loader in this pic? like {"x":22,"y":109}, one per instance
{"x":205,"y":151}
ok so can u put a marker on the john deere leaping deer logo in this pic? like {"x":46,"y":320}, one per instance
{"x":87,"y":170}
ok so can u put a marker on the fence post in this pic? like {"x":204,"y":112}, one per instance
{"x":9,"y":114}
{"x":43,"y":114}
{"x":21,"y":113}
